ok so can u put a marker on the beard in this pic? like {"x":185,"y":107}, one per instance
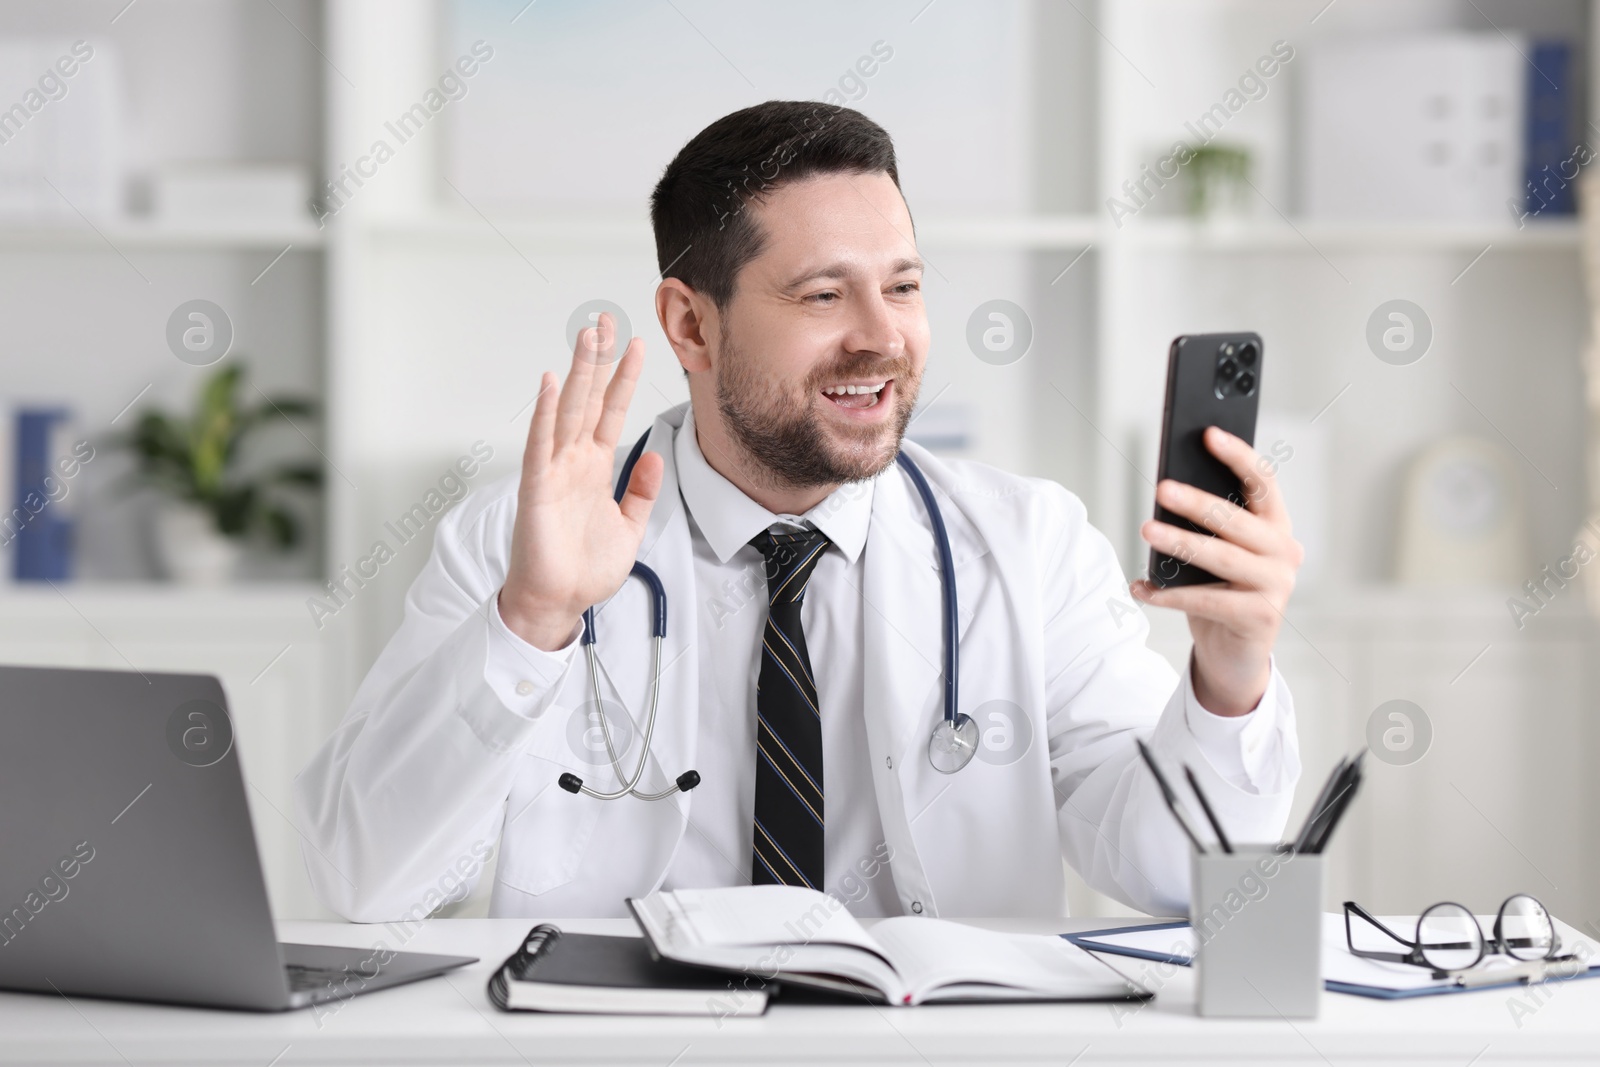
{"x":783,"y":433}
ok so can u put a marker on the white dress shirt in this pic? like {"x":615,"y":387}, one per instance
{"x":730,"y":614}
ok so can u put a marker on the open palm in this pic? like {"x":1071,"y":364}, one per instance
{"x":573,"y":544}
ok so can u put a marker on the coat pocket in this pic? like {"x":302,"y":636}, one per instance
{"x":547,"y":829}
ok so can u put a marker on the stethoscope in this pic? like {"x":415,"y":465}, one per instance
{"x":951,"y":745}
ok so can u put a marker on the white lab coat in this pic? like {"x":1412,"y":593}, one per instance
{"x":399,"y":806}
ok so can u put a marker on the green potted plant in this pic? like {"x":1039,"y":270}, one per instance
{"x":1219,"y":174}
{"x":214,"y":507}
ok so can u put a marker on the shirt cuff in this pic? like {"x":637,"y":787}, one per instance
{"x":524,"y":677}
{"x":1241,"y":748}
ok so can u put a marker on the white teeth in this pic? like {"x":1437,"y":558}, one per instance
{"x":851,"y":390}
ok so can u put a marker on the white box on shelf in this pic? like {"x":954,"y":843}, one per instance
{"x":1419,"y":126}
{"x":60,"y":130}
{"x":231,"y":193}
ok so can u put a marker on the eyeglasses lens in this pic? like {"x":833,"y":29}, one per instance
{"x":1449,"y":937}
{"x":1525,"y":928}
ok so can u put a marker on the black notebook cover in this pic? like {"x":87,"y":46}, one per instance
{"x":559,"y":971}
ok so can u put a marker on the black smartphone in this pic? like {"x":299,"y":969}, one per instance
{"x":1213,"y":379}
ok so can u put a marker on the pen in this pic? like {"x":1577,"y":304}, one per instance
{"x":1303,"y":838}
{"x":1327,"y":788}
{"x":1170,"y":797}
{"x":1205,"y":806}
{"x":1313,"y":831}
{"x":1338,"y":806}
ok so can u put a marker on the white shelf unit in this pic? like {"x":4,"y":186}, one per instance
{"x":143,"y":234}
{"x":85,"y":303}
{"x":1036,"y":232}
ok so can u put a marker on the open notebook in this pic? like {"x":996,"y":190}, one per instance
{"x":1342,"y":972}
{"x":807,"y":938}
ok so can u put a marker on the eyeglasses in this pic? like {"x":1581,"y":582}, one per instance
{"x":1450,"y":941}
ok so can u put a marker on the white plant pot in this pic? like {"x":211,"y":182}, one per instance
{"x":192,"y":551}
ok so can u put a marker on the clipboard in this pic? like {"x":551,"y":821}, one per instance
{"x":1405,"y":985}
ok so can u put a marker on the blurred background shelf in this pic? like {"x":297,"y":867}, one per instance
{"x":1041,"y":232}
{"x":614,"y":232}
{"x":1306,"y":235}
{"x":159,"y":236}
{"x":134,"y":599}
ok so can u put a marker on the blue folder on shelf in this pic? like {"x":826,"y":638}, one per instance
{"x":1173,"y":943}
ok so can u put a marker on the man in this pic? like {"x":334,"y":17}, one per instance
{"x":801,"y":666}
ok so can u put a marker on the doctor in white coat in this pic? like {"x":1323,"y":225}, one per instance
{"x":793,"y":301}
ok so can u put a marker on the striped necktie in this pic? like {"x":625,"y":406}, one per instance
{"x":787,"y":836}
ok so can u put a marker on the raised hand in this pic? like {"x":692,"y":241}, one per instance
{"x":572,"y":545}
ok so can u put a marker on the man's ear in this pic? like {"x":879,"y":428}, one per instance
{"x":684,"y":315}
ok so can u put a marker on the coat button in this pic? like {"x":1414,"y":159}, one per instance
{"x":524,"y":688}
{"x":888,"y":761}
{"x":916,"y":906}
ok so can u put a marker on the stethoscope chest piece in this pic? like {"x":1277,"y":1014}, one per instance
{"x":953,"y":744}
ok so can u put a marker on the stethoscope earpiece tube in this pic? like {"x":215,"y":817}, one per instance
{"x":658,"y":599}
{"x":954,"y":740}
{"x":658,"y":632}
{"x":952,"y":744}
{"x":660,"y":603}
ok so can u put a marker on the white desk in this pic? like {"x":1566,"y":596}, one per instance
{"x":449,"y":1020}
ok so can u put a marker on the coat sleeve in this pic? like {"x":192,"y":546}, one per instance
{"x":1104,"y":687}
{"x":400,"y":806}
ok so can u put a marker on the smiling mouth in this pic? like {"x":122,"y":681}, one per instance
{"x":859,"y":396}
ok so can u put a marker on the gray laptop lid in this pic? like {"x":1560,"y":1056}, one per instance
{"x":128,"y":865}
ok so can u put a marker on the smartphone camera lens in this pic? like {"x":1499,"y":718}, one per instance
{"x":1247,"y":354}
{"x":1246,"y":383}
{"x":1227,"y":369}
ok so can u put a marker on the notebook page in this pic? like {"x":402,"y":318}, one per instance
{"x":932,"y":953}
{"x":761,"y":915}
{"x":767,"y":930}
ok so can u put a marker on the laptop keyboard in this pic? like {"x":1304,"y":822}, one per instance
{"x":303,"y":978}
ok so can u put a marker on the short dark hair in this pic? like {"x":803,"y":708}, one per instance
{"x":704,"y":237}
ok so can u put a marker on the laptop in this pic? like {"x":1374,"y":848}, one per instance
{"x":128,"y":864}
